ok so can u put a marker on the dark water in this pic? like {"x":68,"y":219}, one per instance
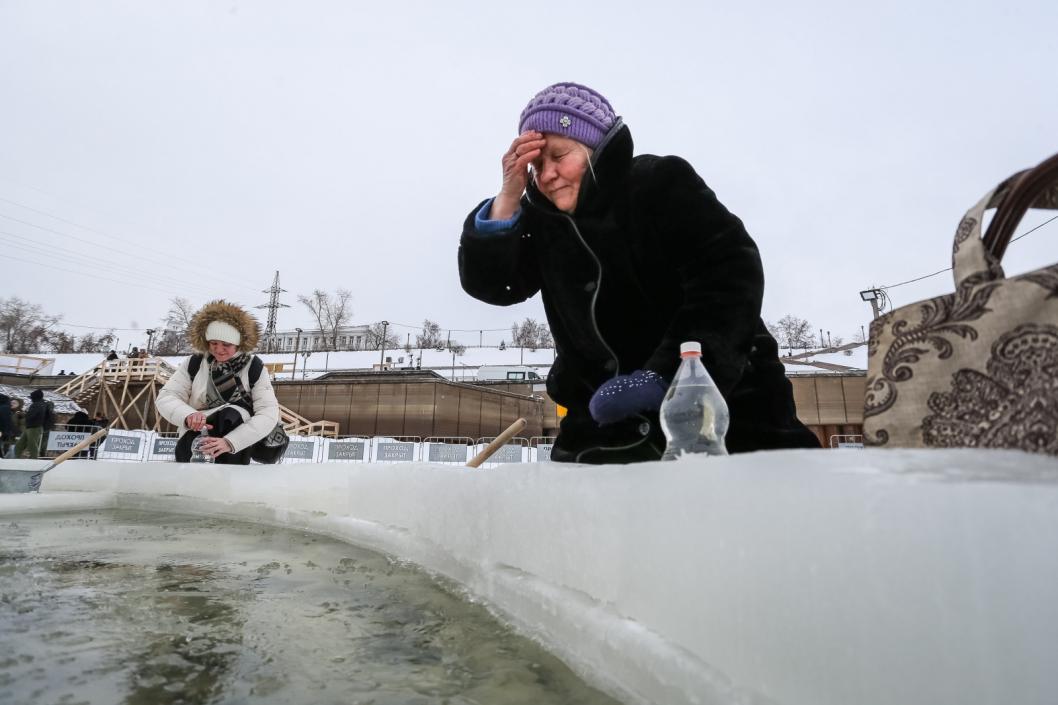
{"x":146,"y":609}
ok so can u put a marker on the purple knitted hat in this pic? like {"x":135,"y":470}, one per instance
{"x":570,"y":110}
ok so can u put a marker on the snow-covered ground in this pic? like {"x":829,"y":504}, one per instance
{"x":465,"y":365}
{"x":315,"y":364}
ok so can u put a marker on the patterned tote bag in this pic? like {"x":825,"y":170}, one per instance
{"x":977,"y":368}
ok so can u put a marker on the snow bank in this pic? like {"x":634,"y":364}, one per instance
{"x":784,"y":577}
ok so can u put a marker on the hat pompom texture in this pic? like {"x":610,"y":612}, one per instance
{"x":226,"y":312}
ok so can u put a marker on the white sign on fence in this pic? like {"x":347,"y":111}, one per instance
{"x":542,"y":452}
{"x":162,"y":448}
{"x":346,"y":449}
{"x":65,"y":440}
{"x":447,"y":453}
{"x":387,"y":450}
{"x":302,"y":449}
{"x":510,"y":453}
{"x":123,"y":445}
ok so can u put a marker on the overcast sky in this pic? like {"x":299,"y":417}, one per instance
{"x":151,"y":150}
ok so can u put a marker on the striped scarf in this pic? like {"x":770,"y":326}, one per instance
{"x":225,"y":385}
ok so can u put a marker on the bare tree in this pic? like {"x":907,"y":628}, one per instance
{"x":374,"y":337}
{"x":430,"y":337}
{"x":90,"y":343}
{"x":331,"y":313}
{"x":24,"y":327}
{"x":173,"y":339}
{"x":531,"y":334}
{"x":62,"y":342}
{"x":792,"y":332}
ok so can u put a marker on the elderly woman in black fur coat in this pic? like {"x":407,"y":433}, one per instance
{"x":632,"y":256}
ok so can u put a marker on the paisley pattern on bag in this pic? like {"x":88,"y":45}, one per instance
{"x":938,"y":320}
{"x":1046,"y":278}
{"x":1014,"y":405}
{"x":963,"y":233}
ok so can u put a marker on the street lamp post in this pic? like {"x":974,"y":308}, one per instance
{"x":382,"y":358}
{"x":873,"y":296}
{"x":297,"y":344}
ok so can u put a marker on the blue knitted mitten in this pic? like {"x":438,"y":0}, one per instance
{"x":626,"y":395}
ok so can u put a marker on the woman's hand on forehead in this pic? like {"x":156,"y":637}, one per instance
{"x":515,"y":163}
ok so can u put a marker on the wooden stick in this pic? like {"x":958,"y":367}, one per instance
{"x":497,"y":443}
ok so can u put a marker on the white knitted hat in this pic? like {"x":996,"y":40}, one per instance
{"x":224,"y":332}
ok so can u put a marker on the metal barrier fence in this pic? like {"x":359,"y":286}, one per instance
{"x":63,"y":437}
{"x":540,"y":448}
{"x":846,"y":441}
{"x":347,"y":449}
{"x":128,"y":446}
{"x":447,"y":450}
{"x":514,"y":451}
{"x":155,"y":446}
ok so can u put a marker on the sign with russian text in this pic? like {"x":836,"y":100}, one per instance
{"x":164,"y":446}
{"x":65,"y":440}
{"x":447,"y":453}
{"x":510,"y":453}
{"x":128,"y":445}
{"x":300,"y":450}
{"x":350,"y":450}
{"x":394,"y":452}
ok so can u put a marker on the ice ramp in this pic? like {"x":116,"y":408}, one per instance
{"x":801,"y":577}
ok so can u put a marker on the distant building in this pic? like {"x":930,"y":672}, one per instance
{"x":349,"y":338}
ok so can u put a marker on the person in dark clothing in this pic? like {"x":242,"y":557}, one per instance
{"x":36,"y":416}
{"x":632,"y":256}
{"x":49,"y":424}
{"x":79,"y":422}
{"x":113,"y":355}
{"x":19,"y":416}
{"x":8,"y":430}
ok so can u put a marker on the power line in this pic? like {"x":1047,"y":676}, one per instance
{"x":99,"y":263}
{"x":948,"y":269}
{"x":168,"y":292}
{"x":97,"y":231}
{"x":1035,"y":229}
{"x":197,"y":265}
{"x":453,"y":330}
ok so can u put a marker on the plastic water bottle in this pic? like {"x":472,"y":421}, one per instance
{"x":197,"y":454}
{"x":694,"y":415}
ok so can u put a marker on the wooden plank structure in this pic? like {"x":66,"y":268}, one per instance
{"x":126,"y":391}
{"x":23,"y":364}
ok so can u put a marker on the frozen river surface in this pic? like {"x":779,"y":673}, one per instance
{"x":137,"y":608}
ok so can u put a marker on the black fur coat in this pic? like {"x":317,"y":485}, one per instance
{"x":650,"y":259}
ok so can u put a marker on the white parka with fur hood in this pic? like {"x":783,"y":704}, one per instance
{"x":182,"y":396}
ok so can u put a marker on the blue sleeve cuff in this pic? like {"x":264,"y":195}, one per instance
{"x":483,"y":225}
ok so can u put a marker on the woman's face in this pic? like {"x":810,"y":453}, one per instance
{"x":221,"y":351}
{"x":560,"y":169}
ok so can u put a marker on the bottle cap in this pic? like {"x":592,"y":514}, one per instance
{"x":691,"y":346}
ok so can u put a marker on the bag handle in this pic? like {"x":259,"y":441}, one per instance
{"x":1032,"y":188}
{"x":976,"y":257}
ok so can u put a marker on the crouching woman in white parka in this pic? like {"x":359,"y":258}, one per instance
{"x":221,"y":389}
